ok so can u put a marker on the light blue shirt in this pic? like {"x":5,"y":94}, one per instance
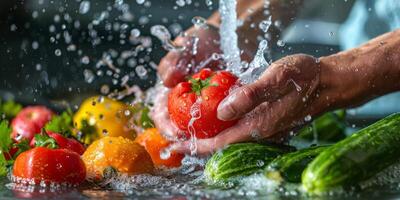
{"x":368,"y":19}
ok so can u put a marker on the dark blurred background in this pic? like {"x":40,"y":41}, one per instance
{"x":65,"y":50}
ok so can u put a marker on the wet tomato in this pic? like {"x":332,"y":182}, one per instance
{"x":192,"y":105}
{"x":49,"y":165}
{"x":122,"y":154}
{"x":30,"y":121}
{"x":155,"y":143}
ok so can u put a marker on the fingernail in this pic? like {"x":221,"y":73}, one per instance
{"x":224,"y":110}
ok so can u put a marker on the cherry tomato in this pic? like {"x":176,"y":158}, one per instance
{"x":49,"y":165}
{"x":155,"y":143}
{"x":30,"y":121}
{"x":64,"y":143}
{"x":198,"y":100}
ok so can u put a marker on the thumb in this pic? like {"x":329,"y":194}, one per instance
{"x":241,"y":101}
{"x":269,"y":87}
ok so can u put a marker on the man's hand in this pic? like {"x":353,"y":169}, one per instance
{"x":285,"y":97}
{"x":200,"y":44}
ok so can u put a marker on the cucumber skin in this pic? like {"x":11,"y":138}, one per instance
{"x":329,"y":127}
{"x":355,"y":158}
{"x":240,"y":159}
{"x":290,"y":166}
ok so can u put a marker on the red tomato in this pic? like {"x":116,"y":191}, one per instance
{"x":206,"y":90}
{"x":64,"y":143}
{"x":154,"y":143}
{"x":30,"y":121}
{"x":49,"y":165}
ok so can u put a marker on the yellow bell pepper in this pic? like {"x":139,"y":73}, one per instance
{"x":105,"y":117}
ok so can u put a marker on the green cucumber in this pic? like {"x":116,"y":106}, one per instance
{"x":355,"y":158}
{"x":240,"y":159}
{"x":290,"y":166}
{"x":329,"y":127}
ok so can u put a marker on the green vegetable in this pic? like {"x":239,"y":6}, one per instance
{"x":355,"y":158}
{"x":290,"y":166}
{"x":9,"y":109}
{"x":329,"y":127}
{"x":5,"y":145}
{"x":240,"y":159}
{"x":61,"y":124}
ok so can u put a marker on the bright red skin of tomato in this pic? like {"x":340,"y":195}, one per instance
{"x":30,"y":121}
{"x":64,"y":143}
{"x":182,"y":98}
{"x":50,"y":165}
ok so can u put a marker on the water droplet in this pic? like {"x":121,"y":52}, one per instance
{"x":141,"y":71}
{"x":199,"y":22}
{"x":84,"y":7}
{"x":140,"y":1}
{"x":135,"y":32}
{"x":280,"y":43}
{"x":35,"y":45}
{"x":180,"y":3}
{"x":260,"y":163}
{"x":265,"y":24}
{"x":85,"y":60}
{"x":38,"y":67}
{"x":89,"y":76}
{"x":307,"y":118}
{"x":165,"y":154}
{"x":57,"y":52}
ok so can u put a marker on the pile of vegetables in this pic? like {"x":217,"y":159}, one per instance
{"x":38,"y":146}
{"x":319,"y":169}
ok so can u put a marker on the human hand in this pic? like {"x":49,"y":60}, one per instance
{"x":283,"y":98}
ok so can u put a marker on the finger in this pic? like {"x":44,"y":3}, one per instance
{"x":173,"y":68}
{"x":237,"y":133}
{"x":160,"y":115}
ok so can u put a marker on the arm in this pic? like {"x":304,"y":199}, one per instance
{"x":297,"y":88}
{"x":362,"y":73}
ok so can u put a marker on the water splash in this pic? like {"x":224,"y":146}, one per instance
{"x":257,"y":66}
{"x":195,"y":114}
{"x":229,"y":38}
{"x":162,"y":33}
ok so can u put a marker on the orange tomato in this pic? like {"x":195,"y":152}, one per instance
{"x":122,"y":154}
{"x":154,"y":143}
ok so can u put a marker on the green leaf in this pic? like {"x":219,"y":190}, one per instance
{"x":61,"y":124}
{"x":87,"y":133}
{"x":43,"y":140}
{"x":198,"y":84}
{"x":5,"y":144}
{"x":145,"y":120}
{"x":22,"y":145}
{"x":5,"y":136}
{"x":3,"y":165}
{"x":10,"y":109}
